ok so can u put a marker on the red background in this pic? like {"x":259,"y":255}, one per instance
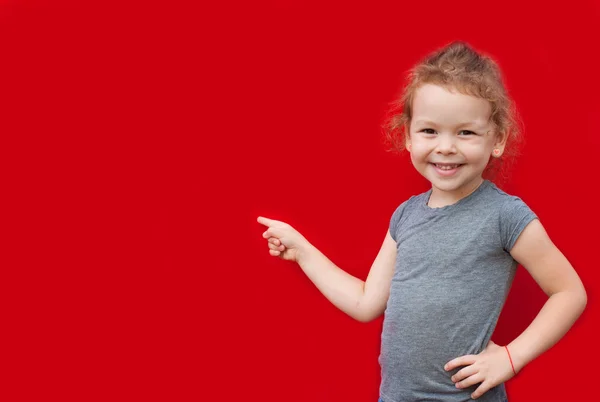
{"x":140,"y":141}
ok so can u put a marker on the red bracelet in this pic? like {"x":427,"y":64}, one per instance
{"x":509,"y":358}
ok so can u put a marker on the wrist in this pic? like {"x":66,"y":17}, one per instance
{"x":512,"y":365}
{"x":518,"y":359}
{"x":304,"y":253}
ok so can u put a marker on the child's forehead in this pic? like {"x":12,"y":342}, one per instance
{"x":432,"y":102}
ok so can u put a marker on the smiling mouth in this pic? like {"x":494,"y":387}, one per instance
{"x":446,"y":166}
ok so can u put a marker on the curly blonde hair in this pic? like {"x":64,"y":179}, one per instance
{"x":458,"y":66}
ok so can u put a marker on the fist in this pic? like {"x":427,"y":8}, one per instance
{"x":283,"y":240}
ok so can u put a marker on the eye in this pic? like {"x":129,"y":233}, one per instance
{"x":427,"y":131}
{"x":467,"y":132}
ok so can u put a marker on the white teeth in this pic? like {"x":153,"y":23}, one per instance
{"x":446,"y":167}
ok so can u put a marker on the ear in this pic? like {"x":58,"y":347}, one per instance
{"x":407,"y":142}
{"x":500,"y":144}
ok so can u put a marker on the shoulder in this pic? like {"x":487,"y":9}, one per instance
{"x":503,"y":200}
{"x":411,"y":203}
{"x":403,"y":211}
{"x":498,"y":193}
{"x":513,"y":215}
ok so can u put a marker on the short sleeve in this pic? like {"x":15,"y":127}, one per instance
{"x":395,"y":221}
{"x":515,"y":215}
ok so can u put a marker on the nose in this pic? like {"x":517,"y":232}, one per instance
{"x":446,"y":144}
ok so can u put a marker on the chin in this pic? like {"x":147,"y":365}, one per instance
{"x":447,"y":185}
{"x":452,"y":184}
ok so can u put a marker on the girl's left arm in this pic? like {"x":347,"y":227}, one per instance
{"x":554,"y":274}
{"x":567,"y":298}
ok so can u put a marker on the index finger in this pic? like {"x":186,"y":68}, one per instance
{"x":460,"y":361}
{"x":266,"y":221}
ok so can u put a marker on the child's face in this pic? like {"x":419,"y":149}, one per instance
{"x":451,"y":128}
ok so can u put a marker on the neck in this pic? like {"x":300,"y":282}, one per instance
{"x":440,"y":198}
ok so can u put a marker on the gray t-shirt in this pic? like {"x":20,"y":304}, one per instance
{"x":452,"y":274}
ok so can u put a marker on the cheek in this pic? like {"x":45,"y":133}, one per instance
{"x":419,"y":147}
{"x":417,"y":155}
{"x":476,"y":152}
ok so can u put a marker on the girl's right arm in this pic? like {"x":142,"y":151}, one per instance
{"x":361,"y":300}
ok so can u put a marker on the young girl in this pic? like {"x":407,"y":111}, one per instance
{"x":450,"y":255}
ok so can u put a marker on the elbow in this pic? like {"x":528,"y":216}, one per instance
{"x":365,"y":315}
{"x":363,"y":318}
{"x":576,"y":294}
{"x":361,"y":314}
{"x":367,"y":310}
{"x":579,"y":295}
{"x":582,"y":296}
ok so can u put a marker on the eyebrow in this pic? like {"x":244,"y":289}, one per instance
{"x":469,"y":123}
